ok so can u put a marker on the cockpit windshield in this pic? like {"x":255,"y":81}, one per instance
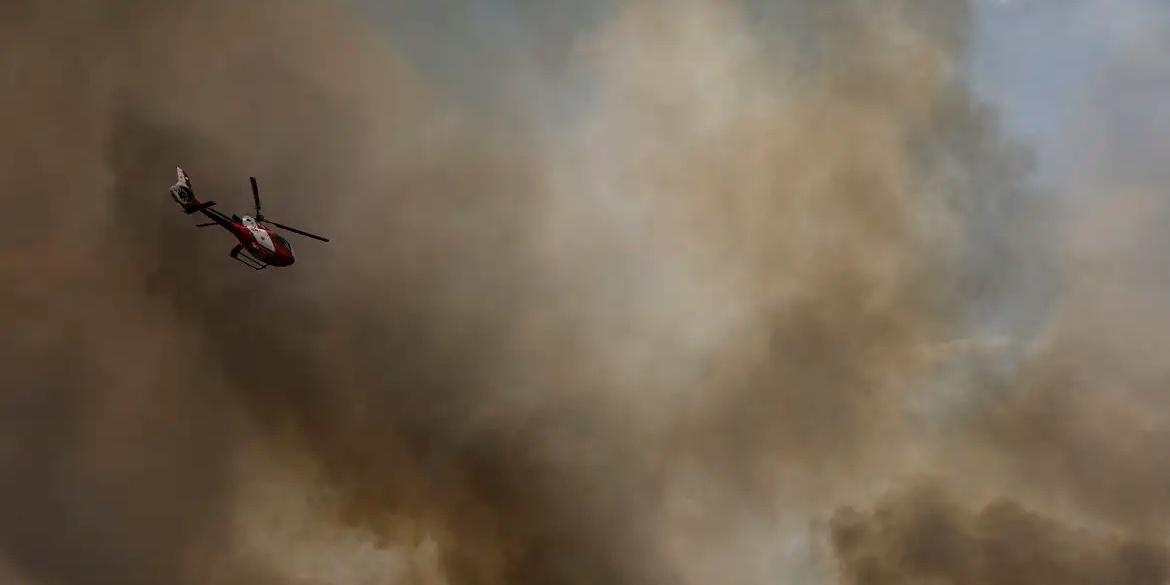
{"x":287,"y":245}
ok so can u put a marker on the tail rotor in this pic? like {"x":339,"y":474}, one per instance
{"x":184,"y":194}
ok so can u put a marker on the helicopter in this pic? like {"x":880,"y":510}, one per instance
{"x":260,"y":245}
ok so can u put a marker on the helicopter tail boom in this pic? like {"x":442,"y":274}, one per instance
{"x":184,"y":194}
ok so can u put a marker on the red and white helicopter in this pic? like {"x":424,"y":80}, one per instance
{"x":261,"y":245}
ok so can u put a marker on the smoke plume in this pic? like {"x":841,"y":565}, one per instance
{"x":669,"y":303}
{"x":922,"y":537}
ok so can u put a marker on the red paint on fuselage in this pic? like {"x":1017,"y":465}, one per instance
{"x":282,"y":256}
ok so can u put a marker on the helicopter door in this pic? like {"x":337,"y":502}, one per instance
{"x":263,"y":239}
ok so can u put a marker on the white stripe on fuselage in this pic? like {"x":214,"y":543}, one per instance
{"x":259,"y":234}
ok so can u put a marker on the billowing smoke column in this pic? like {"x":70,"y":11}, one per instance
{"x":690,"y":327}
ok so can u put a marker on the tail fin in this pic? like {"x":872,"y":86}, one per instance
{"x":184,"y":195}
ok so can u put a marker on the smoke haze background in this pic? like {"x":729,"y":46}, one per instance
{"x":630,"y":292}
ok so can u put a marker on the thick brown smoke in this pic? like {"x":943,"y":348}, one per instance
{"x":660,"y":333}
{"x":922,"y":537}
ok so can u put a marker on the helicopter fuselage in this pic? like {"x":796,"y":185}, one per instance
{"x":261,"y":243}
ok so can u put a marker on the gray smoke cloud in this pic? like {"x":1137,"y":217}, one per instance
{"x":666,"y":332}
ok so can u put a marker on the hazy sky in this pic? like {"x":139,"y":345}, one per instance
{"x":1039,"y":62}
{"x":1042,"y":62}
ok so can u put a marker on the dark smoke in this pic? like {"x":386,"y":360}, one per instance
{"x":636,"y":340}
{"x":375,"y":362}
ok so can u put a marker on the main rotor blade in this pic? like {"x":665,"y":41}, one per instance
{"x":296,"y":231}
{"x":205,"y":224}
{"x":256,"y":196}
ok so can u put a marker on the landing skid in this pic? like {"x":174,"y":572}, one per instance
{"x":246,"y":259}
